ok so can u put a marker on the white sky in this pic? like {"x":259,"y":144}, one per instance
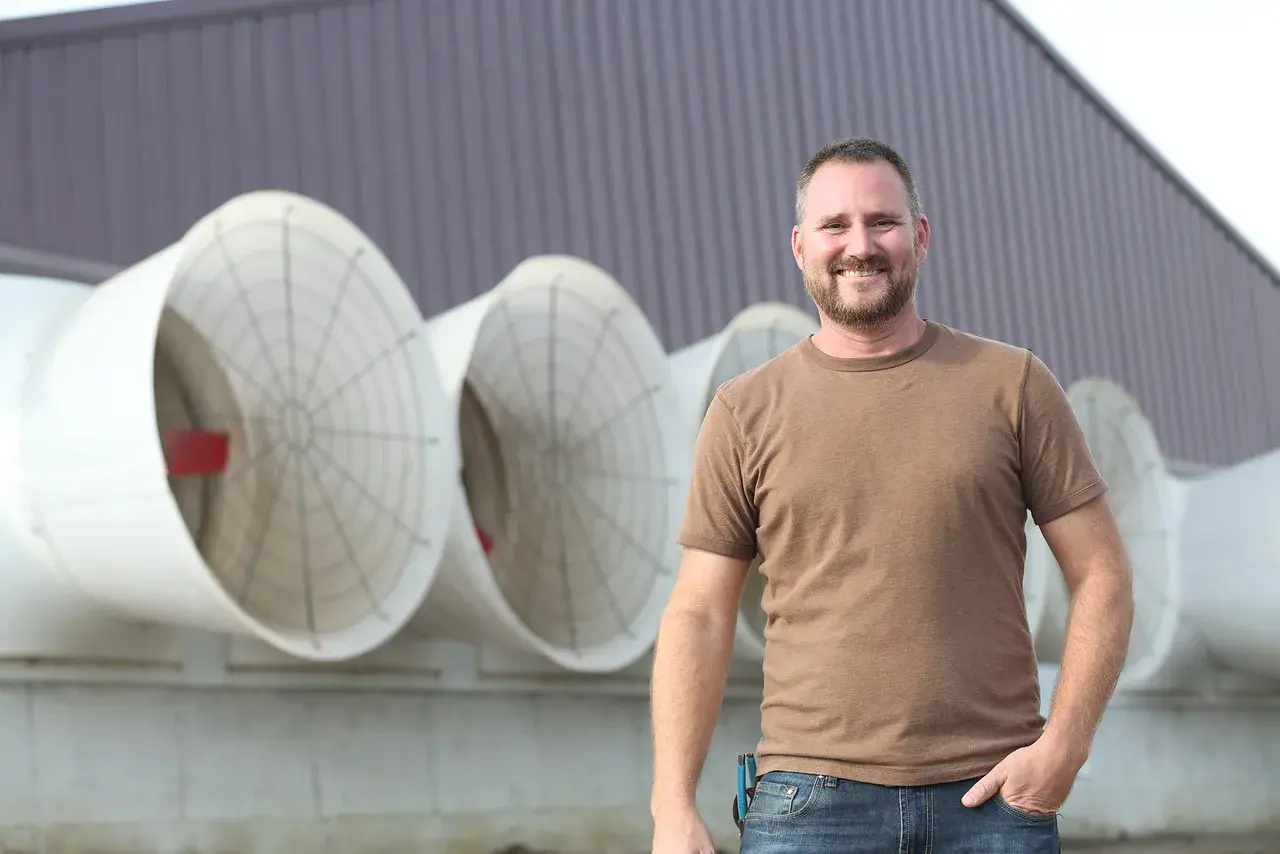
{"x":1190,"y":75}
{"x":27,"y":8}
{"x":1197,"y":79}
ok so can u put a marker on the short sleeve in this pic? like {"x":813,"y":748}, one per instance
{"x":1058,"y":470}
{"x":720,"y":515}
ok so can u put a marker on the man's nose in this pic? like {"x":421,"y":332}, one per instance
{"x":859,"y":243}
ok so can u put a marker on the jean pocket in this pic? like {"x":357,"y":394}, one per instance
{"x":782,"y":795}
{"x":1032,"y":817}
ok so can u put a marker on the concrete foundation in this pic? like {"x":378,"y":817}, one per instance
{"x":481,"y":765}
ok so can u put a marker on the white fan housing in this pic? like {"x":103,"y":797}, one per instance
{"x":276,"y":323}
{"x":574,"y":466}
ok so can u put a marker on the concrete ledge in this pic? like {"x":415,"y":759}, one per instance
{"x":97,"y":768}
{"x":553,"y":831}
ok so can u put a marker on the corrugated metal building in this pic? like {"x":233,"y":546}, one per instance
{"x":661,"y":140}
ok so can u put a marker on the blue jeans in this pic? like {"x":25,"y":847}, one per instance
{"x":812,"y":814}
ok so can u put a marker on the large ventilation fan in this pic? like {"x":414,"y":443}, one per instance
{"x":754,"y":336}
{"x":1147,"y":510}
{"x":573,"y":467}
{"x":1231,"y":559}
{"x":242,"y":433}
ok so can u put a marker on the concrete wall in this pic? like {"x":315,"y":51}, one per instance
{"x":425,"y":744}
{"x":483,"y":751}
{"x":1199,"y":762}
{"x":1180,"y":767}
{"x":190,"y":770}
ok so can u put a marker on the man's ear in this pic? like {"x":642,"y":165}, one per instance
{"x":923,"y":233}
{"x":797,"y":247}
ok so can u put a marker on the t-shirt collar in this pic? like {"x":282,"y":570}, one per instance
{"x":872,"y":363}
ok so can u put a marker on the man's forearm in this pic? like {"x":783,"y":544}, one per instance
{"x":690,"y":666}
{"x":1098,"y":629}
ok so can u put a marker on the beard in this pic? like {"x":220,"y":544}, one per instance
{"x":824,"y":289}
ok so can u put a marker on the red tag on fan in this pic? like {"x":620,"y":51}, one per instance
{"x":195,"y":453}
{"x":485,"y":542}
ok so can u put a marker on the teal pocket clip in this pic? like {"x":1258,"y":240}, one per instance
{"x":746,"y":788}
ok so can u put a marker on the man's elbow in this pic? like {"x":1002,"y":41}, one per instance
{"x":698,"y":614}
{"x":690,"y":631}
{"x":708,"y":590}
{"x":1109,"y":592}
{"x":1112,"y":580}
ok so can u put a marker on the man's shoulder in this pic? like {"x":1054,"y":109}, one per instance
{"x":759,"y":385}
{"x":968,"y":349}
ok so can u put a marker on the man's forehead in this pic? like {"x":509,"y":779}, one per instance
{"x":857,"y":186}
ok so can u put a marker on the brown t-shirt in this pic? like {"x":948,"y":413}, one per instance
{"x":888,"y":497}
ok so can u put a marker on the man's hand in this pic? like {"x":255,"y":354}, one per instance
{"x":681,"y":832}
{"x":1035,"y":779}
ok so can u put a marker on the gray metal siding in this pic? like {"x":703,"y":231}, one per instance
{"x":660,"y":139}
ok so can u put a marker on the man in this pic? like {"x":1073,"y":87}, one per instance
{"x":884,"y":468}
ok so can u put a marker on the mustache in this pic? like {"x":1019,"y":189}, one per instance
{"x":870,"y":264}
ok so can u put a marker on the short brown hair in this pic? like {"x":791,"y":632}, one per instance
{"x":857,"y":150}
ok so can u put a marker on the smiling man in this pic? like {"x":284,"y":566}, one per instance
{"x":884,"y":468}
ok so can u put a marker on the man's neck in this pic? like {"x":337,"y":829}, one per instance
{"x":890,"y":337}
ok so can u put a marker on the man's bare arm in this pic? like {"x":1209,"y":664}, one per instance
{"x":690,"y":667}
{"x":1038,"y":778}
{"x":1087,"y":545}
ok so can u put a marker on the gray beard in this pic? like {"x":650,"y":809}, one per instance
{"x":824,"y":290}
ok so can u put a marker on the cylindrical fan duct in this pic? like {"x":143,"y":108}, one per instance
{"x":574,"y":462}
{"x":1147,"y":508}
{"x":275,"y":334}
{"x":1231,"y":549}
{"x":754,"y":336}
{"x":38,"y":614}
